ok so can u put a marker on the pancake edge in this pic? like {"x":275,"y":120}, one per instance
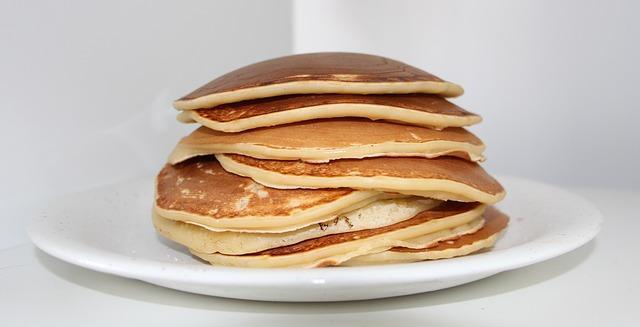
{"x":427,"y":187}
{"x":493,"y":218}
{"x":238,"y":243}
{"x":446,"y":89}
{"x":278,"y":224}
{"x":335,"y":254}
{"x":374,"y":112}
{"x":389,"y":257}
{"x":429,"y":149}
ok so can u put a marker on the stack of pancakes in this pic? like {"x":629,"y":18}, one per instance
{"x":327,"y":159}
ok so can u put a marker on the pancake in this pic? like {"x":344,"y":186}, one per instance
{"x":425,"y":110}
{"x":201,"y":192}
{"x":485,"y":237}
{"x":334,"y":249}
{"x":375,"y":215}
{"x":443,"y":178}
{"x":329,"y":72}
{"x":342,"y":138}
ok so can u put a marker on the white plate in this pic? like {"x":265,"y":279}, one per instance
{"x":109,"y":229}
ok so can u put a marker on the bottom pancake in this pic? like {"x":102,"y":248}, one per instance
{"x":437,"y":247}
{"x":456,"y":218}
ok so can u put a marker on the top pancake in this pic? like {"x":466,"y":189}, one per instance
{"x":329,"y":72}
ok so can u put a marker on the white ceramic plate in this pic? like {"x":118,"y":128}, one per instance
{"x":109,"y":229}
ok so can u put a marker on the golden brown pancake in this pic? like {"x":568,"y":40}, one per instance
{"x":329,"y":72}
{"x":495,"y":223}
{"x":444,"y":178}
{"x":454,"y":217}
{"x":425,"y":110}
{"x":330,"y":139}
{"x":202,"y":193}
{"x":375,"y":215}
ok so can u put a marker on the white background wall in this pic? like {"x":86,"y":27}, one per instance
{"x":558,"y":82}
{"x":86,"y":86}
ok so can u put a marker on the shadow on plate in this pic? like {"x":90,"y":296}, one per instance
{"x":498,"y":284}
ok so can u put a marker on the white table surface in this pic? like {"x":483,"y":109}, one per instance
{"x":596,"y":285}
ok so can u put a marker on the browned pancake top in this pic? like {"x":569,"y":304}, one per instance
{"x":446,"y":209}
{"x":245,"y":109}
{"x":330,"y":133}
{"x":326,"y":66}
{"x":446,"y":168}
{"x":200,"y":186}
{"x":495,"y":222}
